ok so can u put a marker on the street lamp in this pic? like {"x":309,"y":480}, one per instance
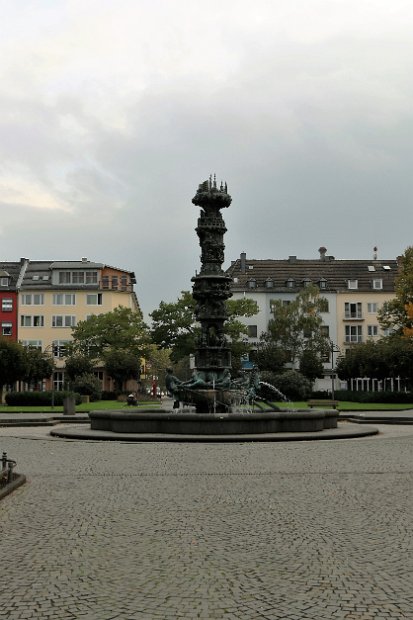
{"x":333,"y":349}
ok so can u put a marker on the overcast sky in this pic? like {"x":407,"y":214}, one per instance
{"x":112,"y":112}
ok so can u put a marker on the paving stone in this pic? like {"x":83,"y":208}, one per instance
{"x":299,"y":531}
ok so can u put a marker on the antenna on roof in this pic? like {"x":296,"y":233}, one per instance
{"x":375,"y":252}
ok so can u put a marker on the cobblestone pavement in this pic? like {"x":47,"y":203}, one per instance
{"x":120,"y":531}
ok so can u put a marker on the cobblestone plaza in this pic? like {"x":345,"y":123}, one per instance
{"x":123,"y":531}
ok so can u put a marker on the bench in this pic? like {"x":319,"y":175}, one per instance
{"x":323,"y":403}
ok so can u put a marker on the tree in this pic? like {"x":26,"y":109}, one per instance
{"x":397,"y":314}
{"x":121,"y":366}
{"x":77,"y":365}
{"x":119,"y":329}
{"x":269,"y":356}
{"x":13,"y":363}
{"x":39,"y":366}
{"x":296,"y":326}
{"x":174,"y":326}
{"x":311,"y":365}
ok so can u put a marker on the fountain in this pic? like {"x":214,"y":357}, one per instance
{"x":212,"y":404}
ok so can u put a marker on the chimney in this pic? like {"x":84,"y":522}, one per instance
{"x":84,"y":259}
{"x":323,"y":252}
{"x":292,"y":259}
{"x":375,"y":249}
{"x":243,"y":262}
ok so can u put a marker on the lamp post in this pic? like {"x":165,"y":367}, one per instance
{"x":333,"y":349}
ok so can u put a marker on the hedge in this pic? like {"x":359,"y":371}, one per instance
{"x":367,"y":397}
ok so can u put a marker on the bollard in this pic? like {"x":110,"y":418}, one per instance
{"x":4,"y":460}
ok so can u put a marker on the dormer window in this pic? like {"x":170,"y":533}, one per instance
{"x":252,"y":283}
{"x":306,"y":282}
{"x":4,"y":281}
{"x":378,"y":284}
{"x":352,"y":284}
{"x":269,"y":283}
{"x":290,"y":283}
{"x":322,"y":283}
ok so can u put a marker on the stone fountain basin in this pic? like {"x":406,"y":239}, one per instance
{"x":188,"y":423}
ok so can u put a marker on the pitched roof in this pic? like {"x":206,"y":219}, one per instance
{"x":271,"y":274}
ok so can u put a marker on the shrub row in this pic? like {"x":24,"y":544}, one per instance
{"x":367,"y":397}
{"x":37,"y":399}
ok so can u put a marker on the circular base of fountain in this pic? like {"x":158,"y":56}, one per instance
{"x":166,"y":425}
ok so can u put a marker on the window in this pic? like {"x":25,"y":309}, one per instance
{"x":7,"y":305}
{"x":378,"y":283}
{"x":28,"y":320}
{"x":306,"y":282}
{"x":6,"y":329}
{"x":4,"y":282}
{"x":91,"y":277}
{"x":35,"y":299}
{"x":322,"y":283}
{"x":252,"y":283}
{"x":58,"y":381}
{"x":59,"y":348}
{"x":290,"y":283}
{"x":352,"y":284}
{"x":324,"y":307}
{"x":269,"y":283}
{"x":94,"y":299}
{"x":252,"y":331}
{"x":325,"y":331}
{"x":78,"y":277}
{"x":352,"y":310}
{"x":115,"y":282}
{"x":286,"y":302}
{"x":63,"y":320}
{"x":105,"y":281}
{"x":64,"y":277}
{"x":124,"y":283}
{"x":63,"y":299}
{"x":354,"y":333}
{"x":32,"y":344}
{"x":372,"y":330}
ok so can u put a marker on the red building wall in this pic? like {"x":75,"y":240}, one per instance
{"x":8,"y":315}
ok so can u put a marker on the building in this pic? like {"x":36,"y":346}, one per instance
{"x":42,"y":301}
{"x":354,"y":291}
{"x":9,"y":284}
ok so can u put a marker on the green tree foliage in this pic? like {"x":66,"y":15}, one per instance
{"x":389,"y":357}
{"x":269,"y":356}
{"x":77,"y":365}
{"x":39,"y":366}
{"x":311,"y":364}
{"x":174,"y":326}
{"x":296,"y":326}
{"x":119,"y":329}
{"x":397,"y":314}
{"x":13,"y":363}
{"x":121,"y":365}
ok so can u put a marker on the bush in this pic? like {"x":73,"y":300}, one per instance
{"x":88,"y":385}
{"x":38,"y":399}
{"x":290,"y":383}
